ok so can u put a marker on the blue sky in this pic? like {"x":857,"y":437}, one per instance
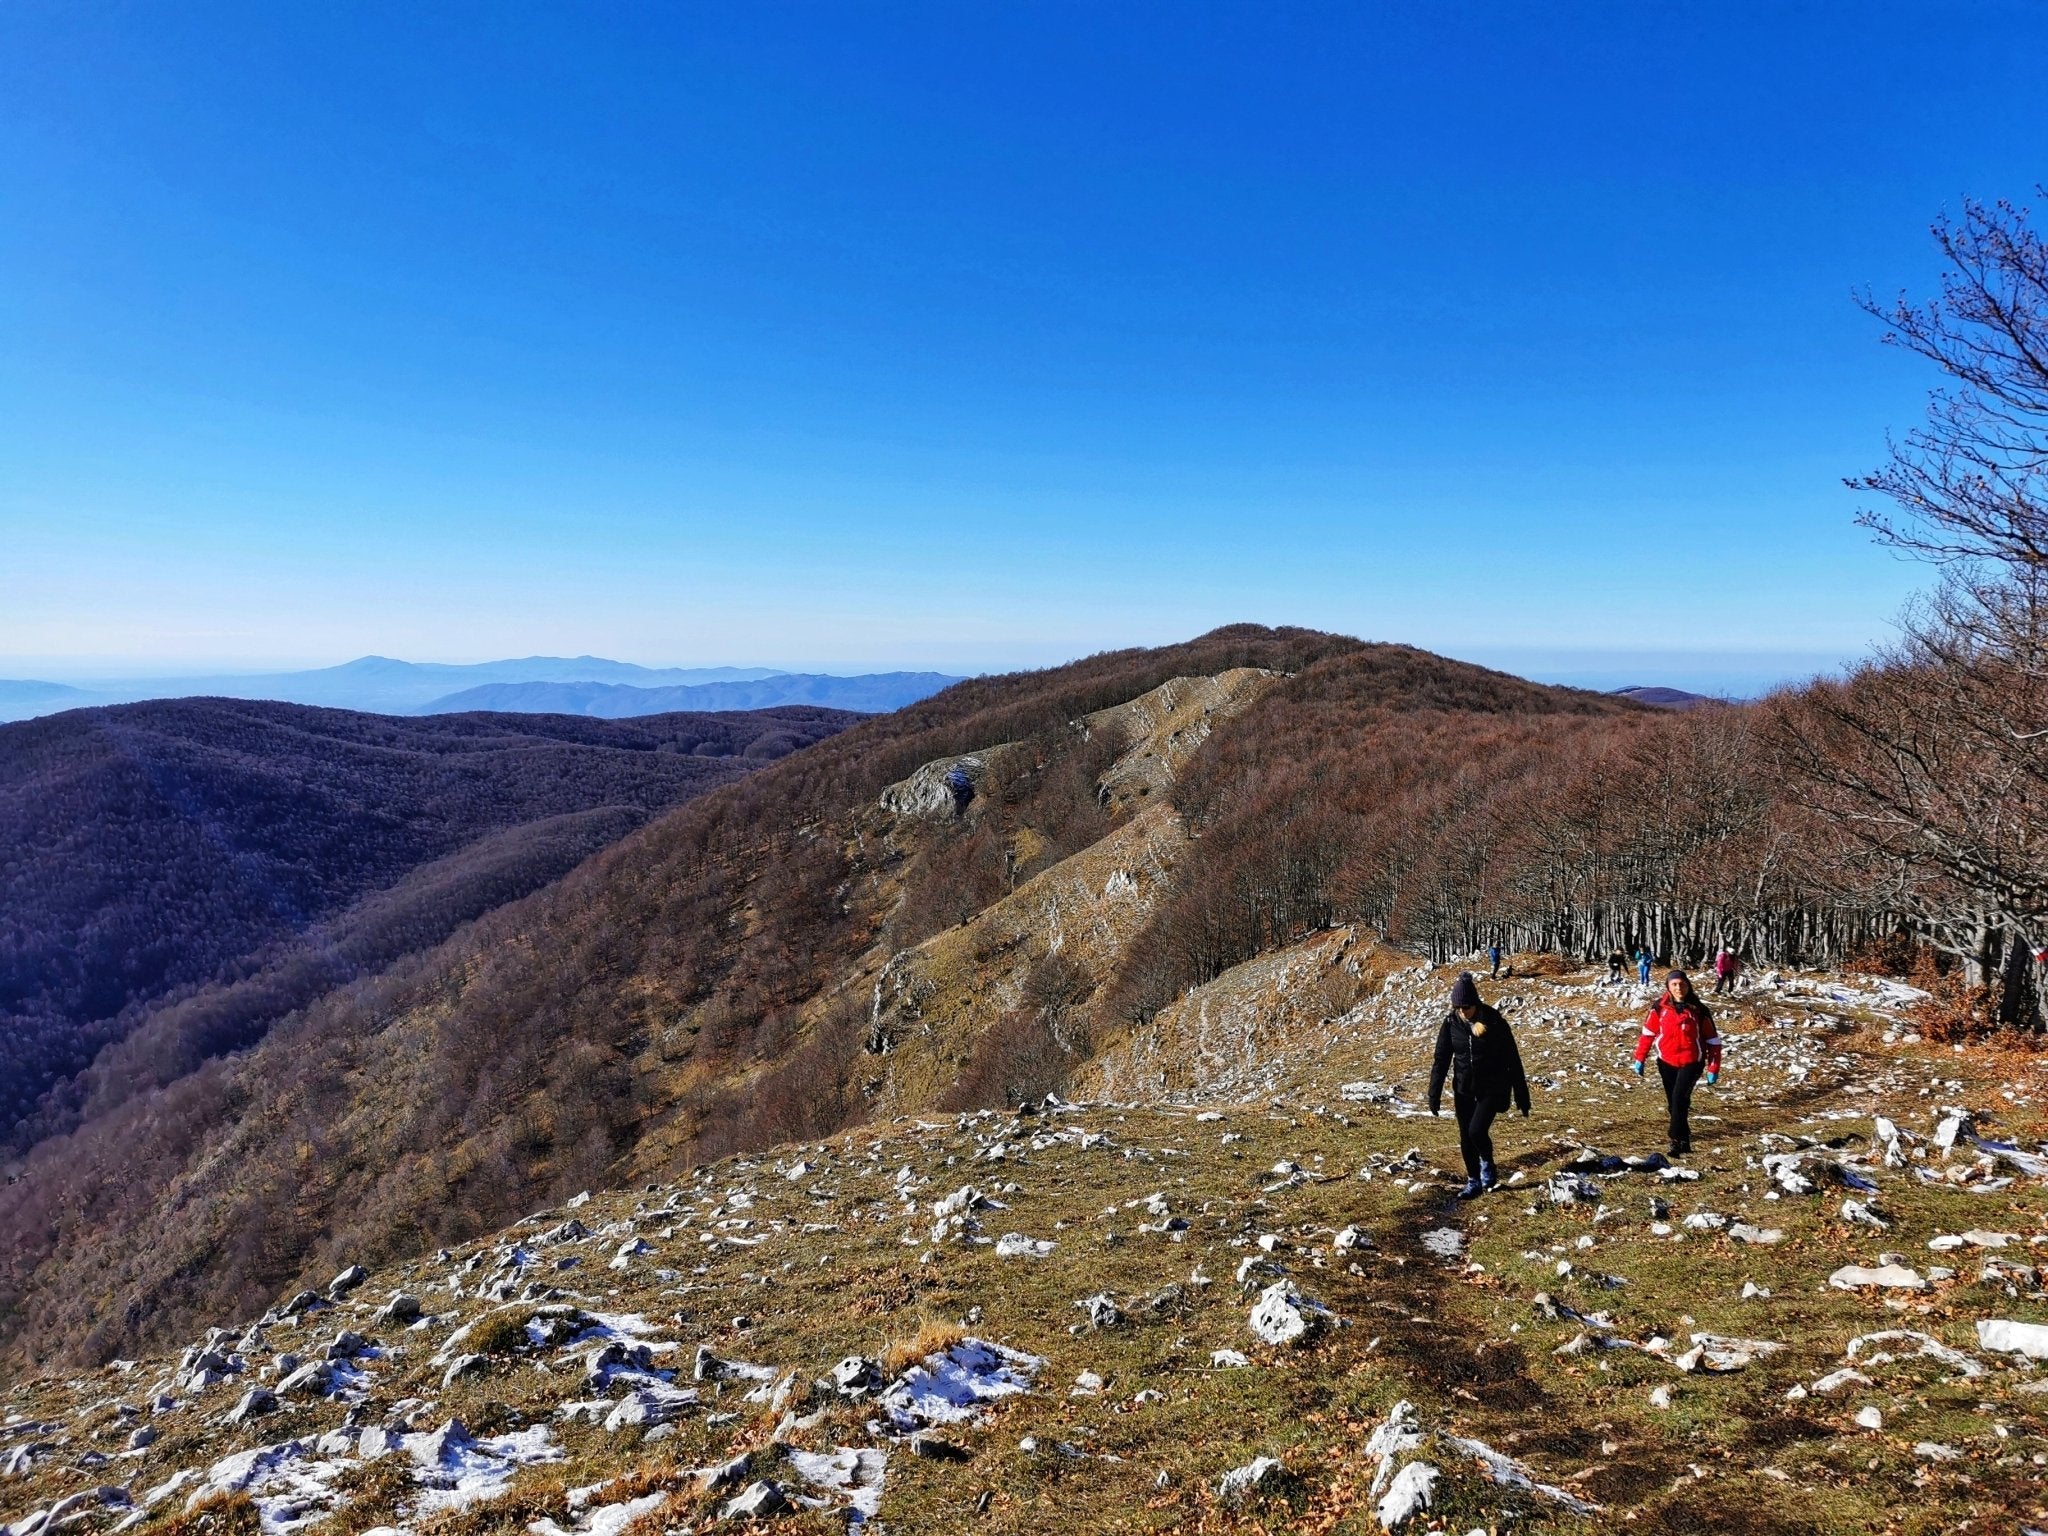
{"x":969,"y":336}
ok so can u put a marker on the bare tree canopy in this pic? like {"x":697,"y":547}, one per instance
{"x":1971,"y":484}
{"x":1930,"y":764}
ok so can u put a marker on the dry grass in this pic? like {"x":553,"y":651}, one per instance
{"x":933,"y":1336}
{"x":229,"y":1514}
{"x":502,"y":1333}
{"x":1463,"y":1344}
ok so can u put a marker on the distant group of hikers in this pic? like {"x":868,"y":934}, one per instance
{"x":1727,"y":967}
{"x":1476,"y":1050}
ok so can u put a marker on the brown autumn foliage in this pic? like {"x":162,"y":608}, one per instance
{"x":1442,"y":804}
{"x":453,"y":1091}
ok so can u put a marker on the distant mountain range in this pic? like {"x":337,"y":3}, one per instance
{"x":380,"y":685}
{"x":876,"y":693}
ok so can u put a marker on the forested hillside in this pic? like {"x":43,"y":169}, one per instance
{"x":225,"y":860}
{"x":964,"y":903}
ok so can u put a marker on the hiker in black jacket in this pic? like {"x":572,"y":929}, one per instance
{"x":1475,"y":1045}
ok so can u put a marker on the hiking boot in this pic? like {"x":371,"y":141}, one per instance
{"x":1472,"y":1190}
{"x":1488,"y":1179}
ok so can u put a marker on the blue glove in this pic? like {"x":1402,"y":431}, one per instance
{"x":1637,"y":1068}
{"x":1713,"y":1078}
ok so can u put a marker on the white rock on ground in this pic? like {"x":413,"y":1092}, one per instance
{"x":2011,"y":1338}
{"x":1243,"y":1480}
{"x":1408,"y":1495}
{"x":1891,"y":1277}
{"x":1283,"y":1315}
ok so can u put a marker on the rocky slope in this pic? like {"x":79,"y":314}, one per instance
{"x":1244,"y":1301}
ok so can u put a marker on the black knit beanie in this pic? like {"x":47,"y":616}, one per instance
{"x":1465,"y":992}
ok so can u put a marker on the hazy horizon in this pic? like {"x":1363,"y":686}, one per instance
{"x":1736,"y":673}
{"x":968,"y":339}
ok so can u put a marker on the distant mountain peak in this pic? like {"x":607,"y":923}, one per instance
{"x":1661,"y":698}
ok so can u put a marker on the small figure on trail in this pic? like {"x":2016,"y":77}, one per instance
{"x":1493,"y":954}
{"x":961,"y":784}
{"x":1476,"y":1047}
{"x":1681,"y":1027}
{"x":1726,"y":969}
{"x":1615,"y":962}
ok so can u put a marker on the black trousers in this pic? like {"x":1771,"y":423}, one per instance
{"x":1678,"y":1086}
{"x":1475,"y":1121}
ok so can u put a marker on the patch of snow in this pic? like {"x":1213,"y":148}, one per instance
{"x":953,"y":1387}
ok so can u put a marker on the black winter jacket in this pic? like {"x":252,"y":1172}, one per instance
{"x":1486,"y":1065}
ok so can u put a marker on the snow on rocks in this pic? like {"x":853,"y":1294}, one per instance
{"x":852,"y":1477}
{"x":287,"y":1483}
{"x":1282,"y":1315}
{"x":606,"y":1519}
{"x":454,"y":1470}
{"x":954,"y":1386}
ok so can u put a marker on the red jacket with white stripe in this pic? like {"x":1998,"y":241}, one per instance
{"x":1682,"y":1034}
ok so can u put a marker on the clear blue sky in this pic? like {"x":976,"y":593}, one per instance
{"x":968,"y":335}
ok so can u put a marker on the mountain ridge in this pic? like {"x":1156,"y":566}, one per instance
{"x":372,"y":684}
{"x":870,"y":693}
{"x":692,"y":989}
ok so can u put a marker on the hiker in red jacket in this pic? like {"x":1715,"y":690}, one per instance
{"x":1681,"y":1027}
{"x":1726,"y":968}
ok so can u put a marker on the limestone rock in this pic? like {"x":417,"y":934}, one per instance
{"x":1242,"y":1481}
{"x":760,"y":1499}
{"x":347,"y":1280}
{"x":1282,"y":1315}
{"x":2007,"y":1337}
{"x":1890,"y":1277}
